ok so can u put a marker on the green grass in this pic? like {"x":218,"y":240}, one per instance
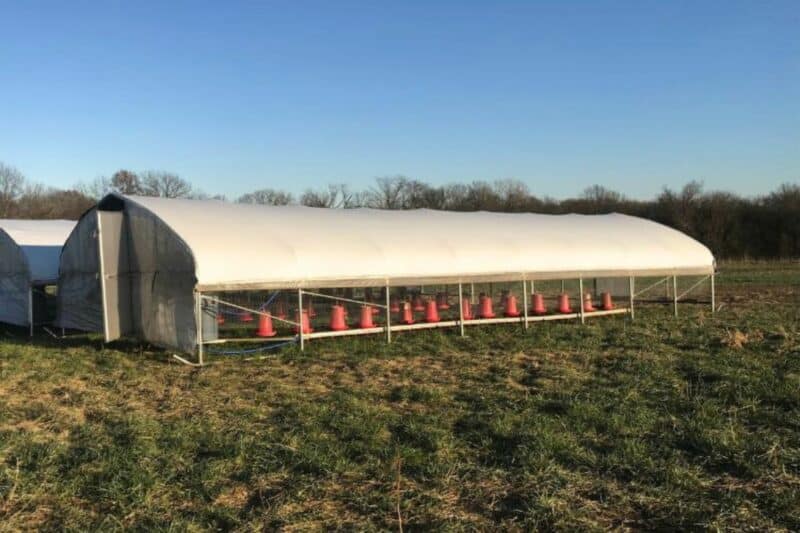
{"x":661,"y":424}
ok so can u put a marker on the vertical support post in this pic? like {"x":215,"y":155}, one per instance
{"x":388,"y":316}
{"x":472,"y":293}
{"x":631,"y":288}
{"x":198,"y":312}
{"x":300,"y":318}
{"x":533,"y":286}
{"x":713,"y":295}
{"x":461,"y":308}
{"x":674,"y":294}
{"x":580,"y":297}
{"x":525,"y":303}
{"x":30,"y":309}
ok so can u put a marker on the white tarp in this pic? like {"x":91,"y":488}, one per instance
{"x":29,"y":255}
{"x":40,"y":242}
{"x":236,"y":245}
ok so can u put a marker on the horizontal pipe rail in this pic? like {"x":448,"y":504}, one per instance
{"x":423,"y":325}
{"x":340,"y":299}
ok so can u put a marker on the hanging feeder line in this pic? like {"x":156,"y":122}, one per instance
{"x":236,"y":306}
{"x":261,"y":307}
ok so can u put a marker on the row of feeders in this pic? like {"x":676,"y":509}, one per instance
{"x":405,"y":311}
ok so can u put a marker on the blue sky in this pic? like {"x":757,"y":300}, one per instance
{"x":560,"y":95}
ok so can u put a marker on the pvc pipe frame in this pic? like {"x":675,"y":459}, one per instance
{"x":461,"y":322}
{"x":427,"y":325}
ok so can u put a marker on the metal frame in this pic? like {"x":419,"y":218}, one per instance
{"x":582,"y":314}
{"x":30,"y":310}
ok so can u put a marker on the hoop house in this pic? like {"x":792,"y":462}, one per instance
{"x":137,"y":265}
{"x":29,"y":258}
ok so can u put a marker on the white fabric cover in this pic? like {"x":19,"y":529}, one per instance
{"x":252,"y":246}
{"x":40,"y":242}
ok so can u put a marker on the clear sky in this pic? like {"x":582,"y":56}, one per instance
{"x":561,"y":95}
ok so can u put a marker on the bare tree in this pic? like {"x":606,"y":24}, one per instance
{"x":337,"y":195}
{"x":598,"y":199}
{"x":388,"y":193}
{"x":126,"y":182}
{"x":165,"y":185}
{"x":12,"y":183}
{"x":266,"y":197}
{"x":97,"y":188}
{"x":514,"y":195}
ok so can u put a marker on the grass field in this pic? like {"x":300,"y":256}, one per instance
{"x":658,"y":424}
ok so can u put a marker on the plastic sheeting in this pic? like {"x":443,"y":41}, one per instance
{"x":252,"y":246}
{"x":29,"y":255}
{"x":166,"y":249}
{"x":149,"y":284}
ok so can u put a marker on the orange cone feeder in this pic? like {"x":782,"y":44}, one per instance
{"x":563,"y":303}
{"x":588,"y":305}
{"x":265,"y":326}
{"x":419,"y":305}
{"x":486,"y":308}
{"x":394,"y":305}
{"x":441,"y":301}
{"x":466,"y":309}
{"x":337,"y":318}
{"x":305,"y":324}
{"x":511,"y":306}
{"x":220,"y":319}
{"x":407,"y":315}
{"x":607,"y":304}
{"x":366,"y":317}
{"x":245,"y":316}
{"x":431,"y":311}
{"x":538,"y":304}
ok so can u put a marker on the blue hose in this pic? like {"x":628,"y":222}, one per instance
{"x":252,"y":350}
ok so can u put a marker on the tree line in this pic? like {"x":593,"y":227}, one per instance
{"x":732,"y":226}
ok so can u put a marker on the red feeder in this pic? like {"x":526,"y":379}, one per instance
{"x":588,"y":305}
{"x":607,"y":304}
{"x":265,"y":326}
{"x":538,"y":304}
{"x":419,"y":305}
{"x":511,"y":306}
{"x":337,"y":318}
{"x":407,"y":315}
{"x":306,"y":324}
{"x":245,"y":316}
{"x":431,"y":311}
{"x":394,"y":305}
{"x":466,"y":309}
{"x":366,"y":317}
{"x":441,"y":301}
{"x":220,"y":319}
{"x":563,"y":303}
{"x":486,"y":308}
{"x":310,"y":308}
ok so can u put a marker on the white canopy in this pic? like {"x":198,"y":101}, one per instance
{"x":254,"y":246}
{"x":40,"y":242}
{"x":29,"y":255}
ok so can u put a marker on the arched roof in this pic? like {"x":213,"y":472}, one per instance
{"x":255,"y":246}
{"x":41,"y":242}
